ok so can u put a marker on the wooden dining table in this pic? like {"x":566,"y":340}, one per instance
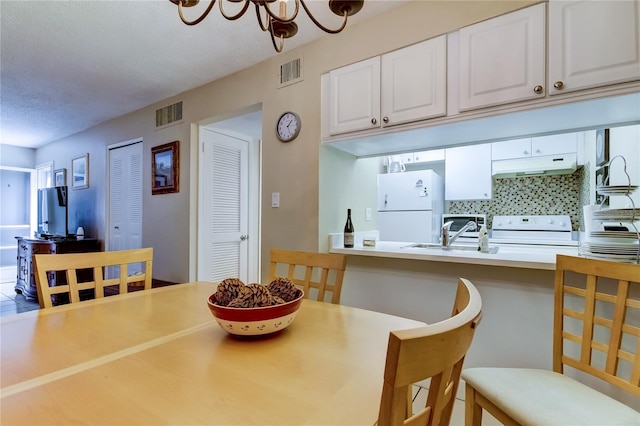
{"x":159,"y":357}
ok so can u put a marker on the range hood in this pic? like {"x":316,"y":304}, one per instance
{"x":535,"y":166}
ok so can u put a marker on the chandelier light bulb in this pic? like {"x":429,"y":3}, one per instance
{"x":279,"y":26}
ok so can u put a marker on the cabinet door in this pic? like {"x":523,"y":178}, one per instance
{"x":592,"y":43}
{"x":413,"y":82}
{"x":517,"y":148}
{"x":354,"y":100}
{"x":427,"y":156}
{"x":503,"y":59}
{"x":554,"y":144}
{"x":468,"y":172}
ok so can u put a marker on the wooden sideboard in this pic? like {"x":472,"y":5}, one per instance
{"x":26,"y":281}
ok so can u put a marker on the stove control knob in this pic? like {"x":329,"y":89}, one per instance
{"x":550,"y":221}
{"x":509,"y":221}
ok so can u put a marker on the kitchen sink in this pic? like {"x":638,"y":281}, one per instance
{"x":455,"y":247}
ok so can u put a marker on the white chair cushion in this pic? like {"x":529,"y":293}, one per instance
{"x":542,"y":397}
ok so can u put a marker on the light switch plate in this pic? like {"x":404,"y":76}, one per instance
{"x":275,"y":199}
{"x":367,"y":214}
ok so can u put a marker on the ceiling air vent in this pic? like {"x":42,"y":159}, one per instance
{"x":290,"y":72}
{"x":168,"y":114}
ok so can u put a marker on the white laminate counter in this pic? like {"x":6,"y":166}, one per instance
{"x":510,"y":255}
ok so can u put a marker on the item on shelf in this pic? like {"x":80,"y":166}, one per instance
{"x":619,"y":242}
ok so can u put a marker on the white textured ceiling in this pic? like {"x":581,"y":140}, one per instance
{"x":66,"y":66}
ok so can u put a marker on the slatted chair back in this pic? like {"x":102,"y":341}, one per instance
{"x":96,"y":262}
{"x":596,"y":320}
{"x":435,"y":351}
{"x":323,"y":272}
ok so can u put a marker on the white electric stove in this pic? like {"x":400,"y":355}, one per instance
{"x":543,"y":230}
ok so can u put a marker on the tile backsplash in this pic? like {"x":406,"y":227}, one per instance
{"x":534,"y":195}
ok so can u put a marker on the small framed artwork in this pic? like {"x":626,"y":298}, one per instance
{"x":60,"y":177}
{"x":80,"y":172}
{"x":165,"y":168}
{"x":602,"y":147}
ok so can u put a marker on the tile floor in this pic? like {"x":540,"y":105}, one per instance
{"x":13,"y":303}
{"x":457,"y":417}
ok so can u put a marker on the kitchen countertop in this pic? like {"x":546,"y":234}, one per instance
{"x":510,"y":255}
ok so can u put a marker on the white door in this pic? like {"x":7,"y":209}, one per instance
{"x":592,"y":43}
{"x":503,"y":59}
{"x":355,"y":97}
{"x":125,"y":199}
{"x":414,"y":82}
{"x":223,"y":216}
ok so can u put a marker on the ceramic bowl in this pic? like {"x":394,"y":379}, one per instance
{"x":255,"y":321}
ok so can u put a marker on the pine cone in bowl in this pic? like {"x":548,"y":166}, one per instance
{"x":228,"y":290}
{"x":283,"y":288}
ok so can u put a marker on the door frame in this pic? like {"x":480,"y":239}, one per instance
{"x":255,"y":196}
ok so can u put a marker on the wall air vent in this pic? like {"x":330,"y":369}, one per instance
{"x":290,"y":72}
{"x":169,"y":114}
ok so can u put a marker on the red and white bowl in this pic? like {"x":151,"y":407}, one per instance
{"x":255,"y":321}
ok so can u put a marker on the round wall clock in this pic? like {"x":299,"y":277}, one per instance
{"x":288,"y":126}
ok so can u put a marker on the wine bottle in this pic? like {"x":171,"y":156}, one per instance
{"x":348,"y":231}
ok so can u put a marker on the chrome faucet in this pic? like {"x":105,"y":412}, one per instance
{"x":448,"y":240}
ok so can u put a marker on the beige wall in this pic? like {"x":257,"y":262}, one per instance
{"x":291,"y":169}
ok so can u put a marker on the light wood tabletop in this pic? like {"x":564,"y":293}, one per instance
{"x":159,"y":357}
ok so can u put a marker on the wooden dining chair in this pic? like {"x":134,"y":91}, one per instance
{"x":595,"y":335}
{"x":322,"y":272}
{"x":74,"y":263}
{"x":434,"y":352}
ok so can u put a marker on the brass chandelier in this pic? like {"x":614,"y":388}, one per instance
{"x":279,"y":25}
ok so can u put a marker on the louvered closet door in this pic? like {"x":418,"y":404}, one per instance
{"x":223,"y":216}
{"x":125,"y":199}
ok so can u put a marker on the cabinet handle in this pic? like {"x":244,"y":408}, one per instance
{"x":385,"y":119}
{"x":558,"y":85}
{"x":537,"y":89}
{"x":538,"y":151}
{"x":525,"y":152}
{"x":374,"y":121}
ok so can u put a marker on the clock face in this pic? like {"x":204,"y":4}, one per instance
{"x":288,"y":126}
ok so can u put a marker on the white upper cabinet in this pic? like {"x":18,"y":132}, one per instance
{"x":593,"y":43}
{"x":354,"y":98}
{"x":414,"y":85}
{"x":517,"y":148}
{"x":535,"y":147}
{"x":399,"y":87}
{"x":502,"y":59}
{"x":467,"y":172}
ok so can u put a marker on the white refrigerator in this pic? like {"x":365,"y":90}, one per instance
{"x":410,"y":206}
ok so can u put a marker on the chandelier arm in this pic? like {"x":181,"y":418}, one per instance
{"x":237,"y":15}
{"x":283,"y":19}
{"x":198,"y":20}
{"x":264,"y":26}
{"x":319,"y":25}
{"x":273,"y":39}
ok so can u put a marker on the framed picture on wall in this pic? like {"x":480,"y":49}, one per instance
{"x":80,"y":172}
{"x":60,"y":177}
{"x":165,"y":168}
{"x":602,"y":147}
